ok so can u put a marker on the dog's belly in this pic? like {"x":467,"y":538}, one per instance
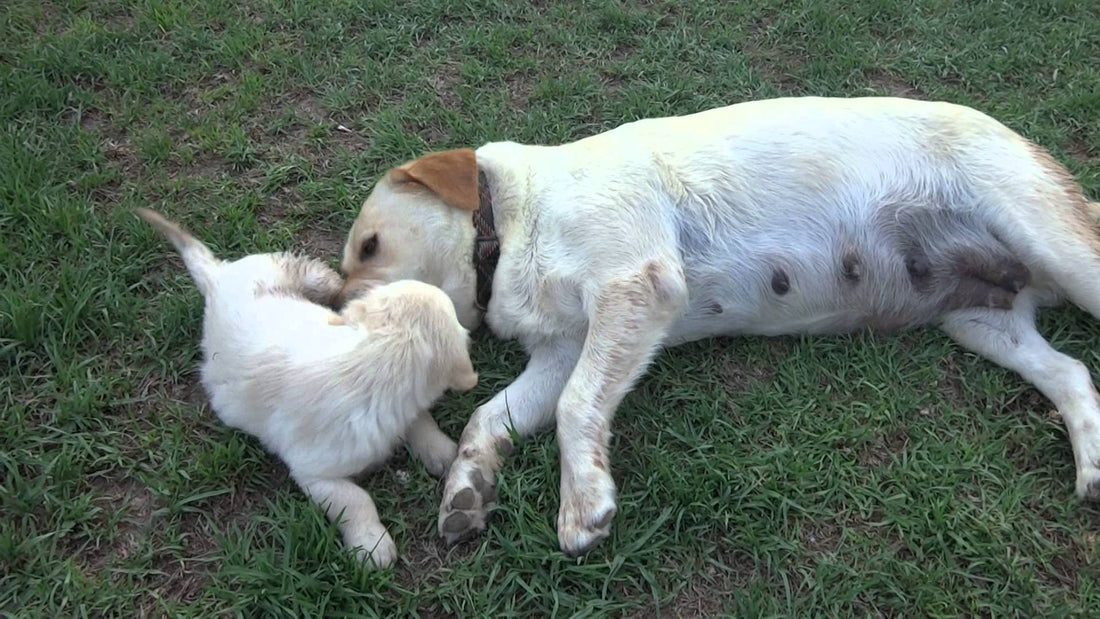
{"x":883,"y":267}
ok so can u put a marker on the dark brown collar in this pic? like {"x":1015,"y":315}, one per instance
{"x":486,"y":244}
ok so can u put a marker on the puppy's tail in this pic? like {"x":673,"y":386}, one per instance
{"x":200,"y":261}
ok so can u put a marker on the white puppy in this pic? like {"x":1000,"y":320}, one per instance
{"x":331,"y":394}
{"x":801,"y":215}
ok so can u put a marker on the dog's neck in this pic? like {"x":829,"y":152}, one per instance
{"x":486,"y":244}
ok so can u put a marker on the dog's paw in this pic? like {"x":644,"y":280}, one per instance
{"x":1088,"y":484}
{"x":586,"y":512}
{"x":467,"y":499}
{"x":374,"y":549}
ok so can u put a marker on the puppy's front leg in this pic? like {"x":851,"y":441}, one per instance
{"x":630,"y":318}
{"x":527,"y":406}
{"x":355,"y":514}
{"x":430,"y":445}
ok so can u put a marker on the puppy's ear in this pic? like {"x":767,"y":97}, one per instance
{"x":450,"y":174}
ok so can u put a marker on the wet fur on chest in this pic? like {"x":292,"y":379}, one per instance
{"x":897,"y":265}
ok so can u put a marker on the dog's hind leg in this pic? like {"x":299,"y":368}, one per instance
{"x":1009,"y":338}
{"x":353,"y":511}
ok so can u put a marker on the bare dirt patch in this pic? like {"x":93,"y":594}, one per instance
{"x":520,"y":86}
{"x":952,"y":385}
{"x":444,"y":82}
{"x":182,"y":575}
{"x":709,"y":592}
{"x":136,"y":503}
{"x":329,"y":130}
{"x":884,"y":448}
{"x":119,"y":150}
{"x":821,"y":536}
{"x":775,"y":63}
{"x":892,"y":85}
{"x":321,"y":242}
{"x":90,"y":119}
{"x":1062,"y":569}
{"x":1079,"y":148}
{"x":423,"y":557}
{"x":306,"y":104}
{"x":738,"y":375}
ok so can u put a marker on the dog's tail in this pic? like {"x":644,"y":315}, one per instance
{"x":200,"y":261}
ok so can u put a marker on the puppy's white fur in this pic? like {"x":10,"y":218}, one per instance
{"x":802,"y":215}
{"x":331,"y":394}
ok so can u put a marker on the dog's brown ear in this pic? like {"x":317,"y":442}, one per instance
{"x":450,"y":174}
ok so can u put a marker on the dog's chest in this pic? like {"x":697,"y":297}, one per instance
{"x":537,"y":307}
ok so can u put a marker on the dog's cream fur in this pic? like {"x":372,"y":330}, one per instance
{"x":331,"y":394}
{"x":802,"y":215}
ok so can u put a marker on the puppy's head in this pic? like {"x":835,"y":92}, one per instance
{"x":414,"y":307}
{"x":417,"y":224}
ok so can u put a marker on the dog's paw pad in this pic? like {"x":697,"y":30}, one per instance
{"x":465,"y":507}
{"x":464,"y":499}
{"x":457,"y":522}
{"x":487,"y":491}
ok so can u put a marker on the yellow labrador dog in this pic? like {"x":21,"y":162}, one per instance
{"x":798,"y":215}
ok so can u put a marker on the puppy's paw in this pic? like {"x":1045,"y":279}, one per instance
{"x":439,"y":460}
{"x":586,"y":511}
{"x":467,"y":499}
{"x":374,"y":549}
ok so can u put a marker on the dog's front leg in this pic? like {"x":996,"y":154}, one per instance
{"x":526,"y":406}
{"x":629,"y":320}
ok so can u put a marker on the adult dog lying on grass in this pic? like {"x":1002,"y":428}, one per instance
{"x":798,"y":215}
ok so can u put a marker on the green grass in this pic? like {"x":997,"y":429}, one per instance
{"x":853,"y":475}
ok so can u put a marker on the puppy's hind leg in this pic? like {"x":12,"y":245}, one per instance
{"x":352,"y":509}
{"x":311,"y":278}
{"x":430,"y":445}
{"x":321,"y":284}
{"x":1009,"y":338}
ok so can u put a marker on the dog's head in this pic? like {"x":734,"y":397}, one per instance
{"x":414,"y":307}
{"x":417,"y":224}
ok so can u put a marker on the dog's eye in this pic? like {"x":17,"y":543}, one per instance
{"x":370,"y":246}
